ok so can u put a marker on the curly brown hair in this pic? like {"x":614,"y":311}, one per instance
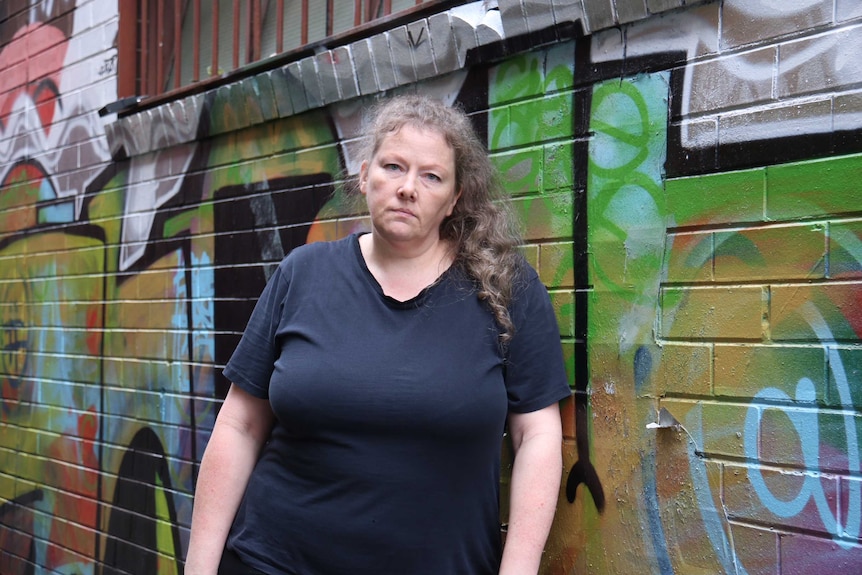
{"x":481,"y":227}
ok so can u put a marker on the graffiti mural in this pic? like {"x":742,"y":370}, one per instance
{"x":686,"y":185}
{"x":55,"y":281}
{"x":743,"y":369}
{"x":115,"y":307}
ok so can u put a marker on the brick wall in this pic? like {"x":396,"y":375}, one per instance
{"x":686,"y":174}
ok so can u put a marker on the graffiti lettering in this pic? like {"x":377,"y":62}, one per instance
{"x":418,"y":39}
{"x":109,"y":66}
{"x":806,"y":424}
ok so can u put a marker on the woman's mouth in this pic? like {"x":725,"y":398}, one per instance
{"x":404,"y":212}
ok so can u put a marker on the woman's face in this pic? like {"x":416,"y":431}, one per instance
{"x":409,"y":185}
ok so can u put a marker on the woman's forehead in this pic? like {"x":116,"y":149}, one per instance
{"x":422,"y":130}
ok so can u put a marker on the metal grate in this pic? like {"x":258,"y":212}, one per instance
{"x":170,"y":45}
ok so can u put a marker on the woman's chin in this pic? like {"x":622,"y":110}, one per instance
{"x":399,"y":232}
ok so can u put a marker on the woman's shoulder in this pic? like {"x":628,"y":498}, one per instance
{"x":525,"y":273}
{"x":320,"y":251}
{"x":523,"y":276}
{"x":528,"y":291}
{"x":314,"y":260}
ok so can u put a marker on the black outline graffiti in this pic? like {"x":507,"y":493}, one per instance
{"x":21,"y":503}
{"x":296,"y":202}
{"x":418,"y":40}
{"x":587,"y":74}
{"x":109,"y":66}
{"x":132,"y":525}
{"x":583,"y":471}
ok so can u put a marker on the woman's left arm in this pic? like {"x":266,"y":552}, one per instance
{"x":535,"y":485}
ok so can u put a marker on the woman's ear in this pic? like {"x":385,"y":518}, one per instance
{"x":363,"y":176}
{"x":454,"y":203}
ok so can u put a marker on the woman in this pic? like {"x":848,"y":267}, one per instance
{"x":362,"y":431}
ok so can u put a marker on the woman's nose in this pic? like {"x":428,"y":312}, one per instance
{"x":407,"y":189}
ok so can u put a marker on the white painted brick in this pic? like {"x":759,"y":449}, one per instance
{"x":88,"y":44}
{"x":630,"y":10}
{"x":419,"y":35}
{"x":600,"y":14}
{"x":80,"y":74}
{"x":329,"y":90}
{"x":85,"y":15}
{"x":729,"y":82}
{"x":513,"y":17}
{"x":114,"y":142}
{"x":443,"y":43}
{"x":311,"y":81}
{"x":847,"y":10}
{"x":699,"y":134}
{"x":363,"y":67}
{"x":539,"y":14}
{"x":821,"y":63}
{"x":656,"y":6}
{"x":570,"y":11}
{"x":99,"y":93}
{"x":797,"y":119}
{"x":293,"y":76}
{"x":607,"y":46}
{"x":489,"y":31}
{"x":693,"y":31}
{"x":464,"y":30}
{"x":194,"y":105}
{"x":847,"y":111}
{"x":753,"y":22}
{"x":117,"y":138}
{"x":402,"y":56}
{"x":100,"y":12}
{"x":345,"y":72}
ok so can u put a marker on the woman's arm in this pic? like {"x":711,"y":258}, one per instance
{"x":243,"y":425}
{"x":537,"y":441}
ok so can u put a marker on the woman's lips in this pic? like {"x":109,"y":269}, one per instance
{"x":404,"y":211}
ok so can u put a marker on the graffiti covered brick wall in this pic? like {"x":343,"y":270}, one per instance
{"x":686,"y":175}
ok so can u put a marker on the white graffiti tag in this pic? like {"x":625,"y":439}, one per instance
{"x":805,"y":422}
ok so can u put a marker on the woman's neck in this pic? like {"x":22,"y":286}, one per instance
{"x":404,"y":271}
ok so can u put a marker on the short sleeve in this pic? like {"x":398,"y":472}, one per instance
{"x":252,"y":362}
{"x":535,"y":371}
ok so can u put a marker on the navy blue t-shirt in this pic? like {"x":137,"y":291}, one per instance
{"x":385,"y":455}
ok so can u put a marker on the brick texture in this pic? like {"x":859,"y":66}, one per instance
{"x":686,"y":174}
{"x":742,"y":25}
{"x":713,"y":313}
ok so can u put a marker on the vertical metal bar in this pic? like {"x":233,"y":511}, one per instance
{"x":330,"y":16}
{"x":258,"y":30}
{"x":214,"y":38}
{"x":248,"y":30}
{"x":235,"y":34}
{"x":128,"y":68}
{"x":145,"y":49}
{"x":387,"y":7}
{"x":374,"y":7}
{"x":178,"y":42}
{"x":160,"y":46}
{"x":357,"y":12}
{"x":279,"y":26}
{"x":196,"y":41}
{"x":304,"y":23}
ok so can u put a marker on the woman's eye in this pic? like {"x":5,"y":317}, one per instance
{"x":434,"y":177}
{"x":391,"y":167}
